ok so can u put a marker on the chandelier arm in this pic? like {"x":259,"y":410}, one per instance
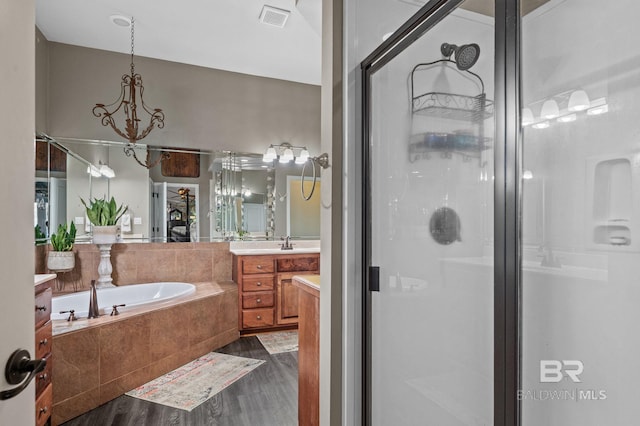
{"x":130,"y":151}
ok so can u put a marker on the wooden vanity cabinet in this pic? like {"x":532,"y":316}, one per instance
{"x":267,"y":297}
{"x":43,"y":334}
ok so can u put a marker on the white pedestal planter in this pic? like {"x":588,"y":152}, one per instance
{"x":104,"y":237}
{"x":104,"y":268}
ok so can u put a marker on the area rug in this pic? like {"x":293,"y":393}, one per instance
{"x":278,"y":342}
{"x":192,"y":384}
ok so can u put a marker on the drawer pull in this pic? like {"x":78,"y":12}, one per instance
{"x":44,"y":410}
{"x":258,"y":284}
{"x":259,"y":317}
{"x":258,"y":300}
{"x":259,"y":266}
{"x":41,"y":308}
{"x":43,"y":376}
{"x":44,"y":342}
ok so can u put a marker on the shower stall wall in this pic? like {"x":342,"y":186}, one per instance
{"x":501,"y":216}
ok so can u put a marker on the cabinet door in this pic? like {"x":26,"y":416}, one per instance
{"x":287,"y":299}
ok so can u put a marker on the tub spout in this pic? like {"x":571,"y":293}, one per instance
{"x":94,"y":312}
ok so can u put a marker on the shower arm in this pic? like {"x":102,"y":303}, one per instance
{"x":427,"y":64}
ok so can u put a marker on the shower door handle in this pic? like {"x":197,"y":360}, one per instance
{"x":19,"y":366}
{"x":374,"y":278}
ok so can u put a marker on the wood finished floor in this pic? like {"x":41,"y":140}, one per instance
{"x":268,"y":396}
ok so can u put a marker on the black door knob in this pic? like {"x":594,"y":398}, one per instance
{"x":21,"y":366}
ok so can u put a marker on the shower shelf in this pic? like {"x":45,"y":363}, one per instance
{"x":423,"y":150}
{"x":453,"y":106}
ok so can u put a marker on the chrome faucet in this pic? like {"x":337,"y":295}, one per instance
{"x":286,"y":245}
{"x":548,"y":258}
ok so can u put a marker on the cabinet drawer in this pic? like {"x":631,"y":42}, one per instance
{"x":257,"y":283}
{"x":43,"y":379}
{"x":257,"y":318}
{"x":310,"y":263}
{"x":43,"y":307}
{"x":43,"y":406}
{"x":257,"y":265}
{"x":43,"y":340}
{"x":257,"y":300}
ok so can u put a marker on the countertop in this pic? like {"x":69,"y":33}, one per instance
{"x":256,"y":248}
{"x":310,"y":283}
{"x":42,"y":278}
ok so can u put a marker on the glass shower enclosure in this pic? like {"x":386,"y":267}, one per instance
{"x":501,"y":216}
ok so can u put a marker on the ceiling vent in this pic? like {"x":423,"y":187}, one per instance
{"x":274,"y":16}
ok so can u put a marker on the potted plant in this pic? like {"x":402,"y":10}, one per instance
{"x":61,"y":258}
{"x":104,"y":216}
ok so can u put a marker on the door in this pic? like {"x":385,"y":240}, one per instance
{"x":160,"y":211}
{"x":17,"y":120}
{"x":287,"y":299}
{"x":428,"y":135}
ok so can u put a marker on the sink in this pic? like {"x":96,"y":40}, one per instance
{"x":273,"y":250}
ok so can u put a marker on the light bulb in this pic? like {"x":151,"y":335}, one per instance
{"x":527,"y":116}
{"x":286,"y":156}
{"x":304,"y":156}
{"x":578,"y":101}
{"x":567,"y":118}
{"x":269,"y":155}
{"x":550,"y":109}
{"x":93,"y":171}
{"x":541,"y":125}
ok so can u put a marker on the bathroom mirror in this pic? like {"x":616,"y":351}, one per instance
{"x":223,"y":200}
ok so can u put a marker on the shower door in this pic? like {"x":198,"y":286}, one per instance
{"x":428,"y":236}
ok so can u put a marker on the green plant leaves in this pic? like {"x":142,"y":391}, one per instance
{"x":104,"y":213}
{"x":64,"y":238}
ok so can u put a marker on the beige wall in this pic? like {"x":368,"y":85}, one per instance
{"x":42,"y":81}
{"x":205,"y":108}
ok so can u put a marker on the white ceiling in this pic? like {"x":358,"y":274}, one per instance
{"x":221,"y":34}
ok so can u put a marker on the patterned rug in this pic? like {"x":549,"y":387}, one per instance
{"x":192,"y":384}
{"x":278,"y":342}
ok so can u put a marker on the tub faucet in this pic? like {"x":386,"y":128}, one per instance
{"x":94,"y":312}
{"x":548,"y":258}
{"x":286,"y":245}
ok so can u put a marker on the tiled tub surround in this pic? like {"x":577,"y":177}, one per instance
{"x":139,"y":263}
{"x":100,"y":359}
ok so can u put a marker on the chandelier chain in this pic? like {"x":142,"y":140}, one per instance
{"x":132,"y":31}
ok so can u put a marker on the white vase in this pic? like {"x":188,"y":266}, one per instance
{"x":106,"y":234}
{"x":61,"y":261}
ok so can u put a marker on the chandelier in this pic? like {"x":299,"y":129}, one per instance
{"x":127,"y":104}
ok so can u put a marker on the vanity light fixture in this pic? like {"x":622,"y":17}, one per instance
{"x":107,"y":171}
{"x":102,"y":170}
{"x":285,"y":153}
{"x":94,"y":171}
{"x":130,"y":104}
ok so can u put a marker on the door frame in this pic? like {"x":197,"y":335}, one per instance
{"x":507,"y":148}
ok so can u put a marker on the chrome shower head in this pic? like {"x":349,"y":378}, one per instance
{"x":465,"y":56}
